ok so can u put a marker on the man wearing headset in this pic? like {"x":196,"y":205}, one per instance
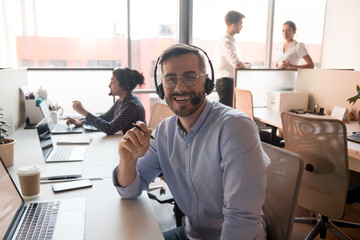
{"x":209,"y":154}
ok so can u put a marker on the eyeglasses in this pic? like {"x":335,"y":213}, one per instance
{"x":188,"y":78}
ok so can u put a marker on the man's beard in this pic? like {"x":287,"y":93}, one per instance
{"x":185,"y":110}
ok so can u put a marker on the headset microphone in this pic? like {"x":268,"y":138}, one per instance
{"x":110,"y":94}
{"x":195,"y":100}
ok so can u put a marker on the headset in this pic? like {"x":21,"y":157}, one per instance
{"x":209,"y":83}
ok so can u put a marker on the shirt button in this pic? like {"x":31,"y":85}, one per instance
{"x":187,"y":170}
{"x":193,"y":193}
{"x":194,"y":217}
{"x":188,"y":144}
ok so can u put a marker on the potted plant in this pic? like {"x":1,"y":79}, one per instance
{"x":6,"y":144}
{"x":353,"y":99}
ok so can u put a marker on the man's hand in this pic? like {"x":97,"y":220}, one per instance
{"x":132,"y":146}
{"x":247,"y":64}
{"x":135,"y":143}
{"x":77,"y":106}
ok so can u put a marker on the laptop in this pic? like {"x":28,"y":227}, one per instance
{"x":355,"y":137}
{"x":58,"y":153}
{"x":58,"y":128}
{"x":20,"y":220}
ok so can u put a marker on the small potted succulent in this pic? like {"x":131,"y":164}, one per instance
{"x":6,"y":144}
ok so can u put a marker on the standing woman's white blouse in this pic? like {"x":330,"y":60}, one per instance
{"x":294,"y":52}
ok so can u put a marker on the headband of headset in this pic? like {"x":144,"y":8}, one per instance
{"x":209,"y":83}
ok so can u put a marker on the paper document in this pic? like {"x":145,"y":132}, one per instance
{"x":74,"y":139}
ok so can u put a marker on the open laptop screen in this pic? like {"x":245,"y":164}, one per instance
{"x":44,"y":135}
{"x":10,"y":200}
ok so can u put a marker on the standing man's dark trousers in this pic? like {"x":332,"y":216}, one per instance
{"x":225,"y":90}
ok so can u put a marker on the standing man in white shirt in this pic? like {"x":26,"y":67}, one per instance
{"x":227,"y":59}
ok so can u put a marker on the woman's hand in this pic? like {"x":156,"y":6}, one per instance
{"x":286,"y":64}
{"x":77,"y":106}
{"x":70,"y":120}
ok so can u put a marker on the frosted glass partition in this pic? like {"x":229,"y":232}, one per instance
{"x":90,"y":86}
{"x":11,"y":99}
{"x":262,"y":81}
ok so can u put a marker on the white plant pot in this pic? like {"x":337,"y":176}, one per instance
{"x":7,"y":152}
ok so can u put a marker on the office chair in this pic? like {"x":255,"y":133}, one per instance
{"x":159,"y":112}
{"x":322,"y":143}
{"x":244,"y":103}
{"x":283,"y":180}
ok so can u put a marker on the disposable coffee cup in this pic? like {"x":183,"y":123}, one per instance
{"x":29,"y":177}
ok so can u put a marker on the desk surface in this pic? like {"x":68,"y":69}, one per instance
{"x":273,"y":118}
{"x":107,"y":215}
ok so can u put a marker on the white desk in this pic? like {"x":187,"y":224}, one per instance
{"x":273,"y":118}
{"x":107,"y":215}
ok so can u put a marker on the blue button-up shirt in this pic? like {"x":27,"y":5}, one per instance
{"x":215,"y":172}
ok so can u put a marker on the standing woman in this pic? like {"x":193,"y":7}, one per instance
{"x":289,"y":54}
{"x":125,"y":111}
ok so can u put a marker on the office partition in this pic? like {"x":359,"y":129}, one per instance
{"x":262,"y":81}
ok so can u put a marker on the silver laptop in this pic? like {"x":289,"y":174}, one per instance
{"x":30,"y":220}
{"x":58,"y":128}
{"x":59,"y":153}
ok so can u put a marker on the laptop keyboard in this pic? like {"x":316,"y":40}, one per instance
{"x":39,"y":221}
{"x":61,"y":153}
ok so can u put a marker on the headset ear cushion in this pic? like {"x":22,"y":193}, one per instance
{"x":209,"y":86}
{"x":160,"y":91}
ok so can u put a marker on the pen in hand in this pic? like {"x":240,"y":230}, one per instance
{"x":151,"y":136}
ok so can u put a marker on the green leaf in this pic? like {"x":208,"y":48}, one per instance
{"x":353,"y":99}
{"x":4,"y":124}
{"x":3,"y":130}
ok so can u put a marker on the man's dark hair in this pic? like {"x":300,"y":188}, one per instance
{"x":291,"y":25}
{"x":177,"y":50}
{"x":233,"y":17}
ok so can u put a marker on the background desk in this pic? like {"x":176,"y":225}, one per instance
{"x":273,"y":118}
{"x":107,"y":215}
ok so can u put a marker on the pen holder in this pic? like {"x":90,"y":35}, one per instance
{"x":55,"y":116}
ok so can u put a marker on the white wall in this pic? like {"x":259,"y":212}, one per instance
{"x":11,"y":99}
{"x":341,"y":45}
{"x":328,"y":88}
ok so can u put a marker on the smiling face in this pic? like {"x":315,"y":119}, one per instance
{"x":288,"y":32}
{"x":179,"y":97}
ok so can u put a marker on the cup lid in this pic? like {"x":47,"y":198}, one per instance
{"x":28,"y":169}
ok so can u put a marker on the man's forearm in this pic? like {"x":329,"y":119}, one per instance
{"x":126,"y":173}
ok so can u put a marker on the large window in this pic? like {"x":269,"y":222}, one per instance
{"x":209,"y":25}
{"x":152,"y":30}
{"x":68,"y":34}
{"x":102,"y":33}
{"x":93,"y":34}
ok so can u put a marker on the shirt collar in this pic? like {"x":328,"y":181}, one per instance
{"x":127,"y":98}
{"x":229,"y":37}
